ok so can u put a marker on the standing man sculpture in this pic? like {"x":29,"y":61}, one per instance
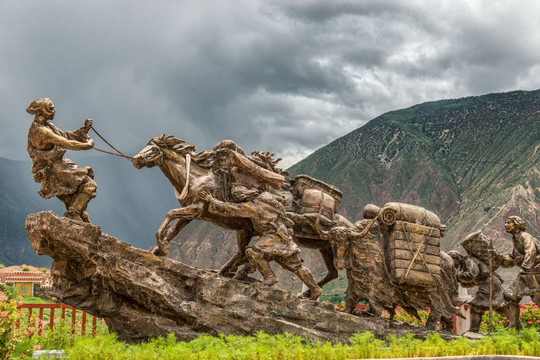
{"x":60,"y":177}
{"x":525,"y":255}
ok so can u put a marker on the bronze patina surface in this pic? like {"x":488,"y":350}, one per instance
{"x":392,"y":257}
{"x":525,"y":254}
{"x":233,"y":178}
{"x":60,"y":177}
{"x":473,"y":270}
{"x":142,"y":296}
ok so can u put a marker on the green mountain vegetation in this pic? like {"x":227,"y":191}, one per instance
{"x":472,"y":161}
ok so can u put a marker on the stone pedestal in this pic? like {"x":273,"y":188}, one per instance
{"x":142,"y":296}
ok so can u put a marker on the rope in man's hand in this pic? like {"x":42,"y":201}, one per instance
{"x":118,"y":152}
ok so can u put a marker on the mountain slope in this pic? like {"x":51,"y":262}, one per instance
{"x":14,"y":206}
{"x":472,"y":161}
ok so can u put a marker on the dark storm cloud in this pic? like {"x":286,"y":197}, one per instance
{"x":282,"y":76}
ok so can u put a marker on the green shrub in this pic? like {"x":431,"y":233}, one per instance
{"x":529,"y":315}
{"x":265,"y":346}
{"x":9,"y":315}
{"x":365,"y":345}
{"x":60,"y":337}
{"x":35,"y":300}
{"x":11,"y":292}
{"x":290,"y":347}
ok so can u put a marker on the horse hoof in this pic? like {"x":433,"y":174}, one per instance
{"x":156,"y":251}
{"x":315,"y":294}
{"x":226,"y":274}
{"x":270,"y":281}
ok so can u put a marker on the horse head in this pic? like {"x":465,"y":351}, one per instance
{"x":159,"y":148}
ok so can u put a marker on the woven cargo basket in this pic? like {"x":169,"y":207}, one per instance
{"x":314,"y":200}
{"x":478,"y":245}
{"x":311,"y":196}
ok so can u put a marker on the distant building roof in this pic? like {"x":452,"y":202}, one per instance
{"x":17,"y":273}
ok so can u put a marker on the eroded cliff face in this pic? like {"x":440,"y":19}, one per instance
{"x":141,"y":296}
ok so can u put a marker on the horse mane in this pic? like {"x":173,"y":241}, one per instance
{"x":265,"y":160}
{"x":169,"y":142}
{"x":204,"y":159}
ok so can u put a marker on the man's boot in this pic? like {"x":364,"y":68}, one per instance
{"x":307,"y":278}
{"x":262,"y":265}
{"x":264,"y":268}
{"x":78,"y":206}
{"x":512,"y":313}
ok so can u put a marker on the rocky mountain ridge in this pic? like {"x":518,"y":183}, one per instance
{"x":472,"y":161}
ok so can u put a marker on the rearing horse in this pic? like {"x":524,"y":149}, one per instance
{"x":188,"y":179}
{"x":190,"y":173}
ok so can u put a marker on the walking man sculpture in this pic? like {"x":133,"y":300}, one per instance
{"x":60,"y":177}
{"x":274,"y":243}
{"x":473,"y":270}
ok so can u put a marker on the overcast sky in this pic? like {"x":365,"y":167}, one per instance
{"x":286,"y":76}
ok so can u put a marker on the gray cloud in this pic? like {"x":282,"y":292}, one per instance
{"x":282,"y":76}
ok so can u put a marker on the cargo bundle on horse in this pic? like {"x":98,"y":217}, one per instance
{"x":379,"y":269}
{"x":411,"y":240}
{"x":311,"y":196}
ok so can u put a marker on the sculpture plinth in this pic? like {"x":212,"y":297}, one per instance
{"x":142,"y":296}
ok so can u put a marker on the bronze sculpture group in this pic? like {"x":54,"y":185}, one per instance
{"x":392,"y":257}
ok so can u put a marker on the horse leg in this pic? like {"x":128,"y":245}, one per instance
{"x":433,"y":319}
{"x":328,"y":258}
{"x":166,"y":233}
{"x":447,"y":323}
{"x":391,"y":312}
{"x":162,"y":243}
{"x":352,"y":299}
{"x":243,"y":237}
